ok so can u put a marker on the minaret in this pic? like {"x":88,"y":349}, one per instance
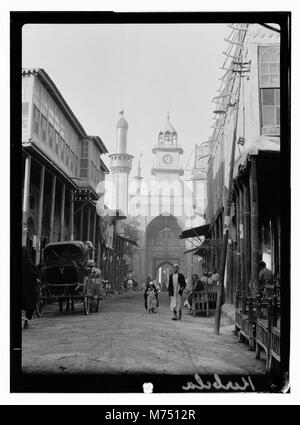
{"x":120,"y":166}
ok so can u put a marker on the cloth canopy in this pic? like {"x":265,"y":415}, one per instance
{"x":194,"y":232}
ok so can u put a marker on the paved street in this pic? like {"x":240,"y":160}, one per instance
{"x":123,"y":338}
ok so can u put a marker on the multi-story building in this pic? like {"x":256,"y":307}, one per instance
{"x":249,"y":102}
{"x":62,"y":167}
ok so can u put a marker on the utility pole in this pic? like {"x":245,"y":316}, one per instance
{"x":239,"y":70}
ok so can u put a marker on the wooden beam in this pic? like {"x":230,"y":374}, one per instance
{"x":81,"y":225}
{"x":94,"y":228}
{"x":241,"y":235}
{"x":52,"y":208}
{"x":88,"y":231}
{"x":247,"y":243}
{"x":62,"y":212}
{"x":40,"y":215}
{"x":229,"y":272}
{"x":26,"y":192}
{"x":238,"y":246}
{"x":71,"y":215}
{"x":254,"y":226}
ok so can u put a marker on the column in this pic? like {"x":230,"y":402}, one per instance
{"x":99,"y":253}
{"x":81,"y":224}
{"x":94,"y":228}
{"x":40,"y":215}
{"x":217,"y":258}
{"x":62,"y":213}
{"x":52,"y":208}
{"x":254,"y":226}
{"x":241,"y":234}
{"x":220,"y":238}
{"x":71,"y":215}
{"x":238,"y":247}
{"x":26,"y":199}
{"x":88,"y":231}
{"x":247,"y":245}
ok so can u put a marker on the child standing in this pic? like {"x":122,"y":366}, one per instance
{"x":151,"y":299}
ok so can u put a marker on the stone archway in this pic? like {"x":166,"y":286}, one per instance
{"x":162,"y":271}
{"x":163,"y":246}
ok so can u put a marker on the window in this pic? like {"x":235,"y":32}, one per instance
{"x":67,"y":155}
{"x":37,"y":93}
{"x":269,"y":82}
{"x":51,"y":135}
{"x":62,"y":149}
{"x":25,"y":107}
{"x":71,"y":160}
{"x":84,"y":149}
{"x":36,"y":120}
{"x":44,"y":102}
{"x":57,"y":142}
{"x":57,"y":118}
{"x":83,"y":167}
{"x":51,"y":111}
{"x":92,"y":171}
{"x":76,"y":166}
{"x":44,"y":128}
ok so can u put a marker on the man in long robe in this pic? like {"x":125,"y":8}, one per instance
{"x":176,"y":287}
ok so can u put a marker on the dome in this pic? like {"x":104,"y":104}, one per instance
{"x":122,"y":123}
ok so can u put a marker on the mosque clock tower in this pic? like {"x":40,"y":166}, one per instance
{"x":168,"y":154}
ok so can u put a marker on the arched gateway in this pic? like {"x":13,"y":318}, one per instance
{"x":163,"y":246}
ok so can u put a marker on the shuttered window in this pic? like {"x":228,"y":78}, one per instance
{"x":269,"y":82}
{"x":36,"y":120}
{"x":51,"y":135}
{"x":44,"y":123}
{"x":25,"y":107}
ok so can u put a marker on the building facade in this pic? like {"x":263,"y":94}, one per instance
{"x":248,"y":115}
{"x":62,"y":168}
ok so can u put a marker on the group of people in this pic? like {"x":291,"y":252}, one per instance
{"x":176,"y":285}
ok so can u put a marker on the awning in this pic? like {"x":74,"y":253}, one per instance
{"x":201,"y":252}
{"x":194,"y":232}
{"x":130,"y":241}
{"x":191,"y":250}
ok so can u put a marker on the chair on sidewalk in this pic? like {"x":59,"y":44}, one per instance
{"x":200,"y":303}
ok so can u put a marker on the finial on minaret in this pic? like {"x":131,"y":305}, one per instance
{"x":121,"y":112}
{"x":139,"y":169}
{"x":168,"y":115}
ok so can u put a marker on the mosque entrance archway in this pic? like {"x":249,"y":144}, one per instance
{"x":163,"y":271}
{"x":164,"y":248}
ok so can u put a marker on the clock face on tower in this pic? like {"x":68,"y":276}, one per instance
{"x":168,"y":159}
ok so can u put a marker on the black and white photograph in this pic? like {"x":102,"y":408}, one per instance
{"x":150,"y":194}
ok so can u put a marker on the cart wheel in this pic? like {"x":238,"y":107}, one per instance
{"x":86,"y":304}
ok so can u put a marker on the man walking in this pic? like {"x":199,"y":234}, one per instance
{"x":176,"y":286}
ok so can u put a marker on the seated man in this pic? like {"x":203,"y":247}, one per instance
{"x":197,"y":286}
{"x":265,"y":277}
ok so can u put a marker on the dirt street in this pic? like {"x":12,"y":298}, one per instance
{"x":123,"y":338}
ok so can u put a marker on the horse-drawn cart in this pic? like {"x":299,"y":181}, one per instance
{"x":68,"y":275}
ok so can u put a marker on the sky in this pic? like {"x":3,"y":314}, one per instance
{"x":144,"y":69}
